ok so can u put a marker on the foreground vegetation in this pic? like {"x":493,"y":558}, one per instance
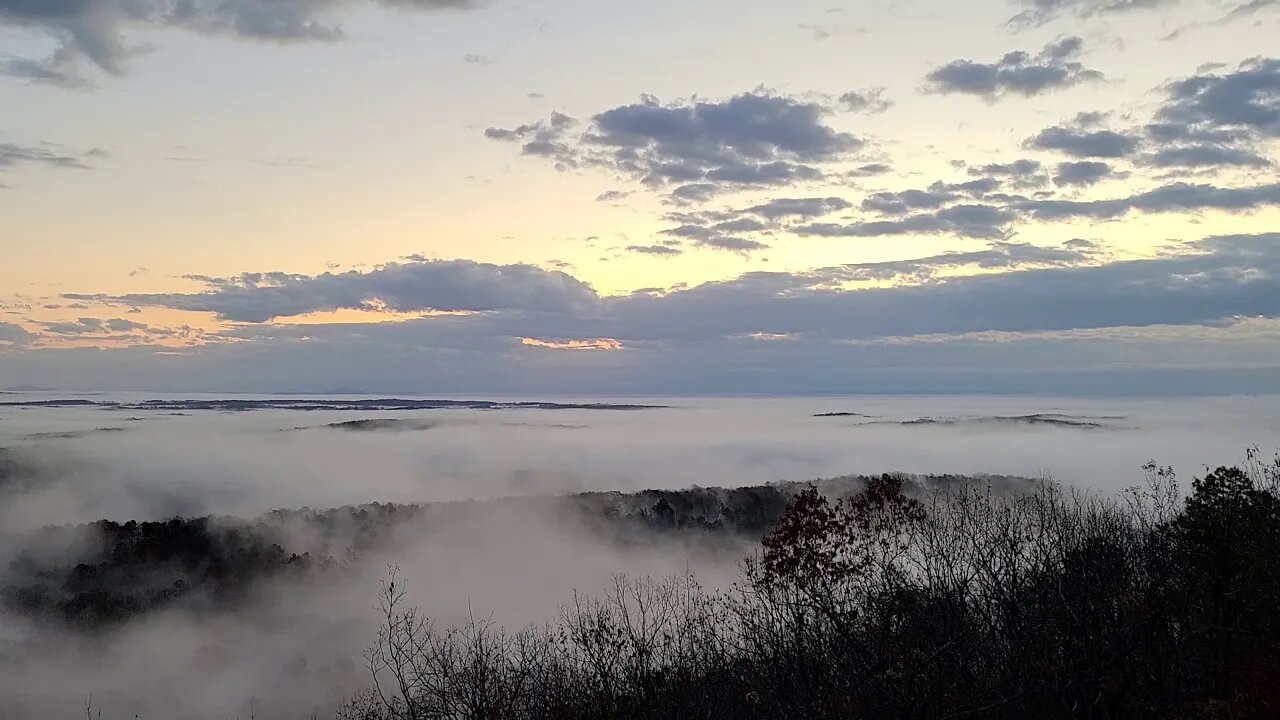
{"x":901,"y":602}
{"x":884,"y":597}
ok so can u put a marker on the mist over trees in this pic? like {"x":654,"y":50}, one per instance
{"x":898,"y":595}
{"x":898,"y":602}
{"x":92,"y":577}
{"x":887,"y":596}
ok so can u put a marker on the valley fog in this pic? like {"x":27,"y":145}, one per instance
{"x":132,"y":464}
{"x":293,"y":647}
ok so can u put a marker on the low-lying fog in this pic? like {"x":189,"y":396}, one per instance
{"x":297,"y":647}
{"x":130,"y":463}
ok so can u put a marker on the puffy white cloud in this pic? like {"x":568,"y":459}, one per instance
{"x":700,"y":146}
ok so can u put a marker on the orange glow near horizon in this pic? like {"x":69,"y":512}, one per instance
{"x":607,"y":344}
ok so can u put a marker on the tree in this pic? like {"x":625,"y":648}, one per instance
{"x":817,"y":543}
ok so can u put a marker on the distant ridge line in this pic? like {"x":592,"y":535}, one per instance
{"x":238,"y":405}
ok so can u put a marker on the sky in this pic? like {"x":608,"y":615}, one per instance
{"x":1001,"y":196}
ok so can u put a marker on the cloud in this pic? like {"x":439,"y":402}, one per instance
{"x":694,"y":193}
{"x":685,"y":338}
{"x":798,"y":207}
{"x":1040,"y":12}
{"x":123,"y":325}
{"x":422,"y":285}
{"x":12,"y":155}
{"x":1000,"y":255}
{"x":719,"y":236}
{"x":1219,"y":277}
{"x":1084,"y":143}
{"x":949,"y":207}
{"x":11,"y":334}
{"x":55,"y":70}
{"x":83,"y":326}
{"x":1242,"y":97}
{"x":732,"y":244}
{"x":1021,"y":174}
{"x":613,"y":195}
{"x":723,"y":229}
{"x":657,"y":250}
{"x":1201,"y":156}
{"x":740,"y":225}
{"x":869,"y":170}
{"x":935,"y":196}
{"x":762,"y":174}
{"x":1239,"y":12}
{"x":1207,"y":121}
{"x":1017,"y":168}
{"x":1219,"y":119}
{"x":1178,"y":197}
{"x":701,"y":146}
{"x":690,"y":232}
{"x":545,"y":138}
{"x":748,"y":126}
{"x":969,"y":220}
{"x":903,"y":202}
{"x":1017,"y":73}
{"x":607,"y":344}
{"x":1249,"y":9}
{"x":870,"y":101}
{"x":94,"y":30}
{"x":1081,"y":174}
{"x":99,"y":326}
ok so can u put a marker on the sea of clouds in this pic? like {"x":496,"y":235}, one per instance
{"x":297,"y":647}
